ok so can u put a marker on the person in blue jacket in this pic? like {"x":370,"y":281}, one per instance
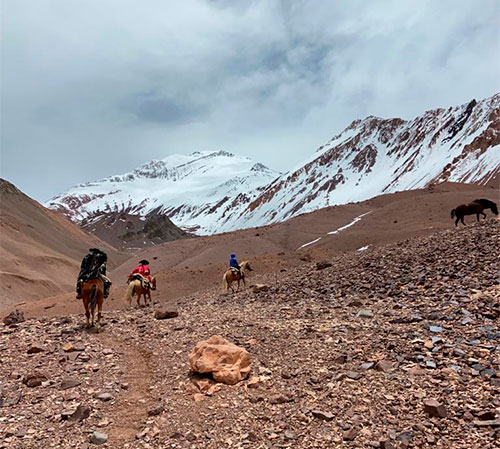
{"x":233,"y":262}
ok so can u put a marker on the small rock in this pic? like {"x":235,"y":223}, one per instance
{"x":386,"y":444}
{"x":257,"y":288}
{"x":436,"y":329}
{"x":68,"y":347}
{"x":327,"y":416}
{"x":367,"y":365}
{"x":156,"y":410}
{"x":486,"y":415}
{"x":290,"y":435}
{"x":322,"y":265}
{"x":103,"y":396}
{"x":35,"y":349}
{"x":82,"y":412}
{"x":365,"y":313}
{"x":280,"y":399}
{"x":491,"y":423}
{"x":353,"y":375}
{"x":14,"y":317}
{"x":434,"y":408}
{"x":34,"y":379}
{"x":165,"y":314}
{"x":254,"y":382}
{"x":69,"y":383}
{"x":98,"y":438}
{"x":350,"y":434}
{"x":383,"y":365}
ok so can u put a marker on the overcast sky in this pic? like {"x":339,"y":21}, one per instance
{"x":91,"y":88}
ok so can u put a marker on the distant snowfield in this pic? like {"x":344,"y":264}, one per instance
{"x":352,"y":223}
{"x":342,"y":228}
{"x":363,"y":248}
{"x":309,"y":243}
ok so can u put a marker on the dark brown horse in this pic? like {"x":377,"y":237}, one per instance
{"x":476,"y":207}
{"x":92,"y":296}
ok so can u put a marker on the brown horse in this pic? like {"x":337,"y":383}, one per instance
{"x":476,"y":207}
{"x":136,"y":287}
{"x":230,"y":276}
{"x":92,"y":296}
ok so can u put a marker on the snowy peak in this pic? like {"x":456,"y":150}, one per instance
{"x":194,"y":190}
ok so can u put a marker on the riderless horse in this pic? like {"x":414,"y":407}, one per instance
{"x":476,"y":207}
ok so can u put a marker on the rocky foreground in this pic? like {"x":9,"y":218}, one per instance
{"x":391,"y":347}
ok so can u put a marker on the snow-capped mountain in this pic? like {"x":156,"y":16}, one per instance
{"x":375,"y":156}
{"x":217,"y":191}
{"x":198,"y":192}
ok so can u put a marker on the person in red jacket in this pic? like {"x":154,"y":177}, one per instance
{"x":143,"y":270}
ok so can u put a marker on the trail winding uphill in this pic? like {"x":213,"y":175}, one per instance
{"x":349,"y":353}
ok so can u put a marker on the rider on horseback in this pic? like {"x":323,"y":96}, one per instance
{"x":233,"y":264}
{"x":142,"y":271}
{"x":93,"y":267}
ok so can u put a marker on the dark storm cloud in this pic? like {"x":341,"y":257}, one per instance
{"x":98,"y":87}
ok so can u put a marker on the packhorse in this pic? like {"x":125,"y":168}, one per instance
{"x":475,"y":207}
{"x":233,"y":275}
{"x":92,"y":296}
{"x":140,"y":286}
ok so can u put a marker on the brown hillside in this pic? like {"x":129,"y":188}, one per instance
{"x":40,"y":250}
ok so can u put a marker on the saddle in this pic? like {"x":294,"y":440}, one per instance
{"x":144,"y":281}
{"x":235,"y":271}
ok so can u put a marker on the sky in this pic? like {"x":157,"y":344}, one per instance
{"x":98,"y":87}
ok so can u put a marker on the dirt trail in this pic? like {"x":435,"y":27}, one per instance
{"x":127,"y":418}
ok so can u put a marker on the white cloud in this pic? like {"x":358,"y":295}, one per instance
{"x":97,"y":87}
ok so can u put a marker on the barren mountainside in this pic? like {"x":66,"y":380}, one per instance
{"x":211,"y":192}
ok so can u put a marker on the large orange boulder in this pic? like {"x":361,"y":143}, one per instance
{"x":227,"y":362}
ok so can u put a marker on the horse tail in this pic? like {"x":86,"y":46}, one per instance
{"x":130,"y":291}
{"x":93,"y":297}
{"x":452,"y":213}
{"x":224,"y":282}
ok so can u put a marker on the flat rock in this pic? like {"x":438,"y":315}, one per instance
{"x":103,"y":396}
{"x":365,"y":313}
{"x":69,"y":382}
{"x":327,"y":416}
{"x":164,"y":314}
{"x":257,"y":288}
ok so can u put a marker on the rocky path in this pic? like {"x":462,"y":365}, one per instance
{"x":389,"y":348}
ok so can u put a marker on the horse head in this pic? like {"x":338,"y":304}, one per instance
{"x":153,"y":283}
{"x":494,"y":209}
{"x":246,"y":266}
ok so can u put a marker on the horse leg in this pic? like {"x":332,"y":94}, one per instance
{"x":483,"y":214}
{"x":87,"y":313}
{"x":462,"y":220}
{"x":477,"y":216}
{"x":99,"y":314}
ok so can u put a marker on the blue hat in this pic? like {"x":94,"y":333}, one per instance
{"x":233,"y":255}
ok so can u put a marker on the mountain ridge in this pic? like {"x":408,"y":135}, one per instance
{"x":369,"y":157}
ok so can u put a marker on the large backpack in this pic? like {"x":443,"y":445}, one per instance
{"x":93,"y":264}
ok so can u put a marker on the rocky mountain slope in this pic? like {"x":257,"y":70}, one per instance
{"x":212,"y":192}
{"x":132,"y":231}
{"x":40,"y":250}
{"x":352,"y":355}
